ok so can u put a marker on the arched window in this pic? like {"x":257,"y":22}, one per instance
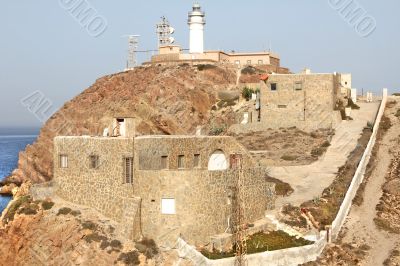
{"x":218,"y":161}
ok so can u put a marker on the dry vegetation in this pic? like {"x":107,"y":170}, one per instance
{"x":284,"y":147}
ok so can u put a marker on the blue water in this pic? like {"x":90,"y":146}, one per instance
{"x":10,"y":146}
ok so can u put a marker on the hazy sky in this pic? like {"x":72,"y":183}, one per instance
{"x":44,"y":48}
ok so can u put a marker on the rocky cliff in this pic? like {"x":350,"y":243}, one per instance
{"x":164,"y":100}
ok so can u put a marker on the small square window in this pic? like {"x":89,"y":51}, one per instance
{"x":168,"y":206}
{"x":128,"y":165}
{"x":274,"y":86}
{"x":249,"y":62}
{"x":94,"y":161}
{"x":260,"y":62}
{"x":164,"y":162}
{"x":63,"y":161}
{"x":196,"y":161}
{"x":282,"y":106}
{"x":181,"y":162}
{"x":298,"y":86}
{"x":237,"y":62}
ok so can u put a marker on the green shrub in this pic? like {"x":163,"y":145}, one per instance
{"x":89,"y":225}
{"x":317,"y":152}
{"x":148,"y":247}
{"x":396,"y":94}
{"x":289,"y":157}
{"x":203,"y":67}
{"x":397,"y":113}
{"x":326,"y":144}
{"x":247,"y":93}
{"x":353,"y":105}
{"x":64,"y":211}
{"x":47,"y":205}
{"x":29,"y":209}
{"x":129,"y":258}
{"x":217,"y":130}
{"x":15,"y":205}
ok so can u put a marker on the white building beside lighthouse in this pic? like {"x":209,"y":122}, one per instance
{"x":196,"y":23}
{"x":173,"y":54}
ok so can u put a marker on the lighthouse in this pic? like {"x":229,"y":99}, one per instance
{"x":196,"y":24}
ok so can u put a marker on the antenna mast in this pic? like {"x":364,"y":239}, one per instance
{"x":133,"y":44}
{"x":164,"y":32}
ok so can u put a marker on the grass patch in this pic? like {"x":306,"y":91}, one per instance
{"x":261,"y":242}
{"x":385,"y":124}
{"x":15,"y":205}
{"x":29,"y":209}
{"x":64,"y":211}
{"x":281,"y":188}
{"x":397,"y":113}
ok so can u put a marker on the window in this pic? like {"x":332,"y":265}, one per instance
{"x":237,"y":62}
{"x":63,"y":161}
{"x":94,"y":161}
{"x":128,"y":169}
{"x":164,"y":162}
{"x":181,"y":161}
{"x":249,"y":62}
{"x":298,"y":86}
{"x":260,"y":62}
{"x":282,"y":106}
{"x":274,"y":86}
{"x":168,"y":206}
{"x":196,"y":161}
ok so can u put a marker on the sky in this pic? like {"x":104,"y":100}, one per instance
{"x":48,"y":55}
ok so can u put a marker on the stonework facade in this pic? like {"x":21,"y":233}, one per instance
{"x":306,"y":101}
{"x":165,"y":169}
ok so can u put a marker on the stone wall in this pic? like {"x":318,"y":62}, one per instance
{"x":202,"y":198}
{"x":301,"y":100}
{"x":103,"y":188}
{"x":203,"y":201}
{"x":305,"y":101}
{"x":150,"y":149}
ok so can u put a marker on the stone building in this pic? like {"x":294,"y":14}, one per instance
{"x":305,"y":100}
{"x":162,"y":186}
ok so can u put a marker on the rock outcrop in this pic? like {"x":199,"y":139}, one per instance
{"x":164,"y":100}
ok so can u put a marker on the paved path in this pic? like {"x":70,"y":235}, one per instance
{"x":309,"y":181}
{"x":360,"y":224}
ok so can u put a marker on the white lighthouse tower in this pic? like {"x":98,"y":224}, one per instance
{"x":196,"y":23}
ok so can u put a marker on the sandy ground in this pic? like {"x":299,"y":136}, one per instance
{"x":309,"y":181}
{"x":359,"y":226}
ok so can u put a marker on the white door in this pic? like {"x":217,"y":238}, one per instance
{"x":217,"y":161}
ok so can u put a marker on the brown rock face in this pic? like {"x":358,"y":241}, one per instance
{"x":166,"y":100}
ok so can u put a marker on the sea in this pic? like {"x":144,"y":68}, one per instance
{"x":12,"y":141}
